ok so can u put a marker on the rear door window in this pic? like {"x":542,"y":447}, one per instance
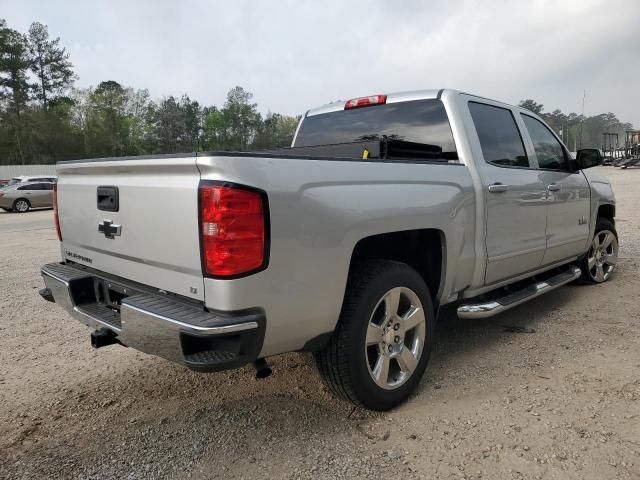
{"x":499,"y":136}
{"x":549,"y":152}
{"x":31,"y":186}
{"x":417,"y":129}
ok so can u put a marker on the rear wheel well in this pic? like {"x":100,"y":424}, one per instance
{"x":421,"y":249}
{"x":608,"y":212}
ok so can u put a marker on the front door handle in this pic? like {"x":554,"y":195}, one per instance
{"x":553,"y":187}
{"x":498,"y":188}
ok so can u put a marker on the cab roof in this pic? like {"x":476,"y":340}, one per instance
{"x":391,"y":98}
{"x":401,"y":97}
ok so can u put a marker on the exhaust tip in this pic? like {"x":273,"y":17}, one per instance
{"x":102,"y":338}
{"x":46,"y":294}
{"x":263,"y":370}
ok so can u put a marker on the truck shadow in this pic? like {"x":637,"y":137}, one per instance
{"x":498,"y":346}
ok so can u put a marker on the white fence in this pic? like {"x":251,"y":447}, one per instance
{"x":9,"y":171}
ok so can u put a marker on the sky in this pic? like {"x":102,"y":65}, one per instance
{"x":295,"y":55}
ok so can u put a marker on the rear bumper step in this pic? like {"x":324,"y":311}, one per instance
{"x":162,"y":325}
{"x":491,"y":307}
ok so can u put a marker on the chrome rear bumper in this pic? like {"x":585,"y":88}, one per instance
{"x":159,"y":324}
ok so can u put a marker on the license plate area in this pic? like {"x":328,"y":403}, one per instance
{"x":110,"y":294}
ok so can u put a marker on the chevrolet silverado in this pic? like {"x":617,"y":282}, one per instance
{"x":384,"y":209}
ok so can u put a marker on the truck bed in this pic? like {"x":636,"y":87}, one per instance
{"x":319,"y":208}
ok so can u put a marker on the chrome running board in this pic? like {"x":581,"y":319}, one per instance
{"x":489,"y":308}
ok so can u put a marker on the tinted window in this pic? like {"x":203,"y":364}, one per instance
{"x":31,"y":186}
{"x":499,"y":135}
{"x":549,"y":152}
{"x":417,"y":129}
{"x":46,"y":186}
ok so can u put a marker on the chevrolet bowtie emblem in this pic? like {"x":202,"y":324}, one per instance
{"x":109,"y":229}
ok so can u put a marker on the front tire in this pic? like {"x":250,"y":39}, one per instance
{"x":380,"y":348}
{"x":602,"y":257}
{"x":21,"y":205}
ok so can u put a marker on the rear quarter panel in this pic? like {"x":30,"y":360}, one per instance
{"x":319,"y":210}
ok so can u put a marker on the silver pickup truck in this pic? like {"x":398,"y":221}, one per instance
{"x":347,"y":244}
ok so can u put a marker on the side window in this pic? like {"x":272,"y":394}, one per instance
{"x":47,"y":186}
{"x":499,"y":135}
{"x":31,"y":186}
{"x":549,"y":152}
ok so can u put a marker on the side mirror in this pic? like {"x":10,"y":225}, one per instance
{"x":588,"y":157}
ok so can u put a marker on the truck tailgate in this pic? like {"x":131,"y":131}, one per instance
{"x":157,"y":243}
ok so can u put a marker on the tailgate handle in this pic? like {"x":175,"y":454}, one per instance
{"x":108,"y":200}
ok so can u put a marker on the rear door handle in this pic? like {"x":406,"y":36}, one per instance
{"x":498,"y":188}
{"x":553,"y":187}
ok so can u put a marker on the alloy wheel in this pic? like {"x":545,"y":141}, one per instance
{"x":22,"y":206}
{"x":602,"y":256}
{"x":395,"y":337}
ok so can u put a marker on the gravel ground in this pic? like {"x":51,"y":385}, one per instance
{"x":559,"y":402}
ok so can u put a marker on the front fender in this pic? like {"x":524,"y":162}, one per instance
{"x":601,"y":194}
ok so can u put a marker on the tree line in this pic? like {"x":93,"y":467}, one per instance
{"x":43,"y":118}
{"x":579,"y":131}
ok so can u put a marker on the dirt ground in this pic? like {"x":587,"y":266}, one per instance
{"x":559,"y":402}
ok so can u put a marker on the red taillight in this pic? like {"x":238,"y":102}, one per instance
{"x":56,"y":219}
{"x":232,"y":229}
{"x":365,"y":101}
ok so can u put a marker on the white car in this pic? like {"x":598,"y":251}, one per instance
{"x":33,"y":178}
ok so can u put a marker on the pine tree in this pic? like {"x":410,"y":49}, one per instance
{"x":14,"y":66}
{"x":49,"y":64}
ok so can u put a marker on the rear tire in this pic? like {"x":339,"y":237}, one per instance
{"x":21,"y":205}
{"x":602,"y":257}
{"x":380,"y":348}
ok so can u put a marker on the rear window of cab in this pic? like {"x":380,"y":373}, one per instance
{"x":416,"y":129}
